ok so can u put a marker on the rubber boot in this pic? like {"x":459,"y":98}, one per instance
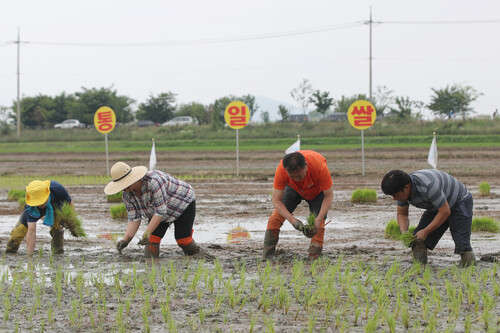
{"x":190,"y":248}
{"x":419,"y":251}
{"x":57,"y":242}
{"x":314,"y":251}
{"x":152,"y":250}
{"x":467,"y":259}
{"x":270,"y":240}
{"x":16,"y":237}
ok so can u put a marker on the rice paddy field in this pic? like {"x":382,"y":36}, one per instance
{"x":364,"y":282}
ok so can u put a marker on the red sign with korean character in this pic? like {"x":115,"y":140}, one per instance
{"x":361,"y":114}
{"x":104,"y":119}
{"x":237,"y":115}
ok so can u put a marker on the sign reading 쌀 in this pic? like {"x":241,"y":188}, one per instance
{"x":361,"y":114}
{"x":237,"y":115}
{"x":104,"y":119}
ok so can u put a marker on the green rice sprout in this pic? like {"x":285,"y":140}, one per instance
{"x":67,"y":218}
{"x":310,"y":222}
{"x":15,"y":195}
{"x":21,"y":202}
{"x":118,"y":211}
{"x":364,"y":195}
{"x":117,"y":197}
{"x":485,"y":224}
{"x":392,"y":231}
{"x":484,"y":189}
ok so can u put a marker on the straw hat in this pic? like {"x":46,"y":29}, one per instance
{"x":122,"y":176}
{"x":37,"y":192}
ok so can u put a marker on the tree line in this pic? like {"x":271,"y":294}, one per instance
{"x":44,"y":111}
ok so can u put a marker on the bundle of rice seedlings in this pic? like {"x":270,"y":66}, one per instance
{"x":392,"y":231}
{"x":22,"y":203}
{"x":118,"y":211}
{"x":115,"y":197}
{"x":311,"y":220}
{"x":485,"y":224}
{"x":67,"y":218}
{"x":15,"y":195}
{"x":364,"y":195}
{"x":484,"y":189}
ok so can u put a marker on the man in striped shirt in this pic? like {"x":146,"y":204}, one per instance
{"x":447,"y":204}
{"x":159,"y":197}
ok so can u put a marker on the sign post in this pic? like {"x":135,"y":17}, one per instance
{"x":362,"y":115}
{"x":237,"y":116}
{"x":104,"y":122}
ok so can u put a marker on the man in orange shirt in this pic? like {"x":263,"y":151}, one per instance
{"x":302,"y":175}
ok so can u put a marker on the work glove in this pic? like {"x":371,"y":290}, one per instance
{"x":120,"y":245}
{"x":145,"y":239}
{"x":298,"y":225}
{"x":309,"y":232}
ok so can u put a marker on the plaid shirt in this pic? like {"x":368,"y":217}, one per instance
{"x":161,"y":194}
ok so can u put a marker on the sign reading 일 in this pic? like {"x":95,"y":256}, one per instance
{"x":237,"y":115}
{"x":104,"y":120}
{"x":361,"y":114}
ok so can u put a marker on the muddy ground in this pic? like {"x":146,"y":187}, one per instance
{"x":356,"y":232}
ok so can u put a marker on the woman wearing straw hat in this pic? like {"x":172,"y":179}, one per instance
{"x":162,"y":199}
{"x":42,"y":199}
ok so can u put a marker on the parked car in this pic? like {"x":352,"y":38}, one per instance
{"x":180,"y":121}
{"x":145,"y":123}
{"x":70,"y":123}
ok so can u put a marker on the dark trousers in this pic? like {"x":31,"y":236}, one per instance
{"x":459,"y":222}
{"x":183,"y":226}
{"x":291,"y":199}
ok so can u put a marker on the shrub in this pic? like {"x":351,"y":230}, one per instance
{"x":484,"y":189}
{"x":364,"y":195}
{"x":118,"y":211}
{"x":485,"y":224}
{"x":115,"y":197}
{"x":15,"y":195}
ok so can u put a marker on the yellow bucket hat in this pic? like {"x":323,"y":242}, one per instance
{"x":37,"y":192}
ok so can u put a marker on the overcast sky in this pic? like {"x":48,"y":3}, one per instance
{"x":202,"y":50}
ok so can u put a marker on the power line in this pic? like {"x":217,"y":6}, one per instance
{"x":484,"y":21}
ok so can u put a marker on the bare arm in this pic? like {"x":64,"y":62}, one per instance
{"x":132,"y":228}
{"x":443,"y":213}
{"x":325,"y":206}
{"x":402,"y":218}
{"x":31,"y":238}
{"x":280,"y":207}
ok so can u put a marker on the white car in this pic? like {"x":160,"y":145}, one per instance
{"x":180,"y":121}
{"x":70,"y":123}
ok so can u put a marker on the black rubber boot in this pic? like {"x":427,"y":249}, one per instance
{"x":270,"y":240}
{"x":190,"y":249}
{"x":57,"y":243}
{"x":467,"y":259}
{"x":419,"y":251}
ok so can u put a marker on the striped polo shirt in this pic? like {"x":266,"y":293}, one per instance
{"x":431,"y":188}
{"x":161,"y":194}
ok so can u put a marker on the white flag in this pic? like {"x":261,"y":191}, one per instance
{"x":293,"y":148}
{"x":433,"y":154}
{"x":152,"y":157}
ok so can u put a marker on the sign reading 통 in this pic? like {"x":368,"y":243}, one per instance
{"x":237,"y":115}
{"x":104,"y":119}
{"x":361,"y":114}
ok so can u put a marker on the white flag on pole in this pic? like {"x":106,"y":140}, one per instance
{"x":433,"y":153}
{"x":152,"y":157}
{"x":293,"y":148}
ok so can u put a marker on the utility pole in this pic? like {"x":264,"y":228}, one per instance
{"x":18,"y":84}
{"x":370,"y":56}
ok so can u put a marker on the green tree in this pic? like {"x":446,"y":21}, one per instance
{"x":197,"y":111}
{"x":321,"y":101}
{"x":302,"y":94}
{"x":382,"y":98}
{"x":344,"y":103}
{"x":158,"y":108}
{"x":36,"y":111}
{"x":90,"y":100}
{"x":265,"y":117}
{"x":456,"y":98}
{"x":404,"y":107}
{"x":219,"y":107}
{"x":66,"y":107}
{"x":284,"y":112}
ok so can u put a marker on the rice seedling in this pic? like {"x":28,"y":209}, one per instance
{"x":392,"y":230}
{"x":67,"y":217}
{"x":484,"y":189}
{"x":21,"y":202}
{"x":484,"y":223}
{"x":117,"y":197}
{"x":364,"y":195}
{"x":15,"y":195}
{"x":118,"y":211}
